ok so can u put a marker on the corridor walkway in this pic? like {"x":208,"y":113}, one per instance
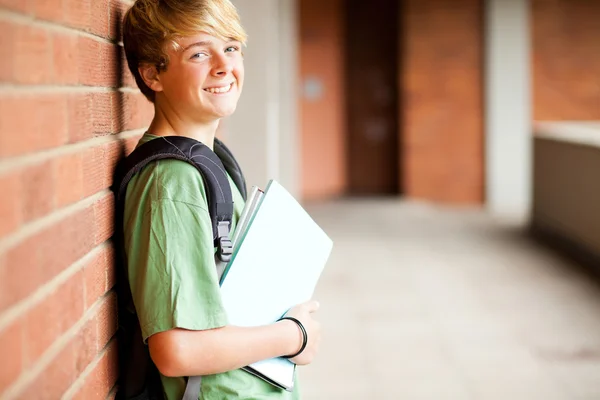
{"x":420,"y":302}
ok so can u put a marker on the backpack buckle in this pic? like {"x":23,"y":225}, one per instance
{"x":224,"y":245}
{"x":225,"y":249}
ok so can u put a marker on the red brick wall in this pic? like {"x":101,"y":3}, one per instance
{"x":442,"y":100}
{"x":321,"y":55}
{"x":67,"y":112}
{"x":566,"y":59}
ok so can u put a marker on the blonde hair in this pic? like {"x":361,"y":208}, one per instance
{"x":149,"y":25}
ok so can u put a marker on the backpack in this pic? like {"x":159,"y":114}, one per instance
{"x":139,"y":378}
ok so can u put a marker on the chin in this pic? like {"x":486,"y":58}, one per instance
{"x":225,"y":112}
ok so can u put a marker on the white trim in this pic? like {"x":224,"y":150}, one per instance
{"x":576,"y":132}
{"x":508,"y":108}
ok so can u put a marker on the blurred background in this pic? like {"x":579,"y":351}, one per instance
{"x":450,"y":148}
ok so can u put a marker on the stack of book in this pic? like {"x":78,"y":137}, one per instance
{"x":279,"y":253}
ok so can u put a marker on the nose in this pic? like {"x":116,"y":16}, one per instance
{"x":221,"y":65}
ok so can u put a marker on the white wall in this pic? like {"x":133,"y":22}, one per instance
{"x":508,"y":108}
{"x":566,"y":184}
{"x":263,"y":132}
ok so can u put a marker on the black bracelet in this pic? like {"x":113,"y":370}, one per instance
{"x":304,"y":336}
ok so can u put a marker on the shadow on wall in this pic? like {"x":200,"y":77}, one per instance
{"x":122,"y":301}
{"x":117,"y":17}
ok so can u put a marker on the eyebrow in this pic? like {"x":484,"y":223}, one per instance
{"x":200,"y":44}
{"x":204,"y":43}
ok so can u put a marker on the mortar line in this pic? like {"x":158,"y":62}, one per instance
{"x":36,"y":226}
{"x":53,"y":351}
{"x":10,"y":164}
{"x":15,"y":16}
{"x":13,"y":88}
{"x":80,"y":380}
{"x":47,"y":288}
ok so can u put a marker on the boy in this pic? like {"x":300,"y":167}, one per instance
{"x":186,"y":58}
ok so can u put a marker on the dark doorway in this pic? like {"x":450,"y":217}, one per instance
{"x":372,"y":36}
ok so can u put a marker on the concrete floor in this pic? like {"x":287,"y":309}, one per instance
{"x":422,"y":302}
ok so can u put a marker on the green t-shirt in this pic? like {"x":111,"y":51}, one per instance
{"x":172,"y":272}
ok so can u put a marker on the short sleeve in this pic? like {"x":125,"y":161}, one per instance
{"x":177,"y":284}
{"x":170,"y":251}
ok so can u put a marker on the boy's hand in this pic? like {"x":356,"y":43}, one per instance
{"x":305,"y":314}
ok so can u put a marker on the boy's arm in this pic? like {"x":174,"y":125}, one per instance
{"x":174,"y":282}
{"x":180,"y":352}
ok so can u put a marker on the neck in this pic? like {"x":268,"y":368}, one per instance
{"x":166,"y":123}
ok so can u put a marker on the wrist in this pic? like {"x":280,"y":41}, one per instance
{"x":293,"y":336}
{"x":303,"y":336}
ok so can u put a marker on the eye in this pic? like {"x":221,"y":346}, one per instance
{"x":231,"y":49}
{"x":199,"y":56}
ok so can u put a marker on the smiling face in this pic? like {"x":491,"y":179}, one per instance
{"x":203,"y":80}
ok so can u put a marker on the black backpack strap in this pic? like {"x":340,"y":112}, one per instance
{"x":209,"y":165}
{"x":232,"y":167}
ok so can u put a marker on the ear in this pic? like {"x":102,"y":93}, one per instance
{"x":151,"y":77}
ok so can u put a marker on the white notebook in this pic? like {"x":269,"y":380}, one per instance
{"x":276,"y":264}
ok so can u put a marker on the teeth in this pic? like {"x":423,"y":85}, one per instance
{"x":219,"y":90}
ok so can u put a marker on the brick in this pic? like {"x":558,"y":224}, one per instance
{"x":49,"y":112}
{"x":111,"y":268}
{"x":68,"y":179}
{"x":100,"y":18}
{"x":117,"y":12}
{"x":65,"y":242}
{"x":38,"y":188}
{"x":95,"y":279}
{"x":78,"y":13}
{"x":90,"y":63}
{"x":98,"y":166}
{"x":56,"y":378}
{"x":7,"y":50}
{"x":120,"y":115}
{"x":11,"y":345}
{"x":97,"y":63}
{"x":113,"y":151}
{"x":60,"y":374}
{"x":112,"y":361}
{"x":86,"y":345}
{"x":65,"y":56}
{"x":102,"y":379}
{"x":106,"y":320}
{"x":19,"y":274}
{"x":92,"y":115}
{"x":93,"y":171}
{"x":53,"y":316}
{"x":442,"y":110}
{"x":22,"y":6}
{"x":110,"y":55}
{"x":29,"y":123}
{"x":50,"y":10}
{"x":40,"y":257}
{"x":103,"y":113}
{"x":10,"y":208}
{"x":104,"y":217}
{"x":565,"y":87}
{"x":32,"y":58}
{"x":127,"y":78}
{"x":81,"y":112}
